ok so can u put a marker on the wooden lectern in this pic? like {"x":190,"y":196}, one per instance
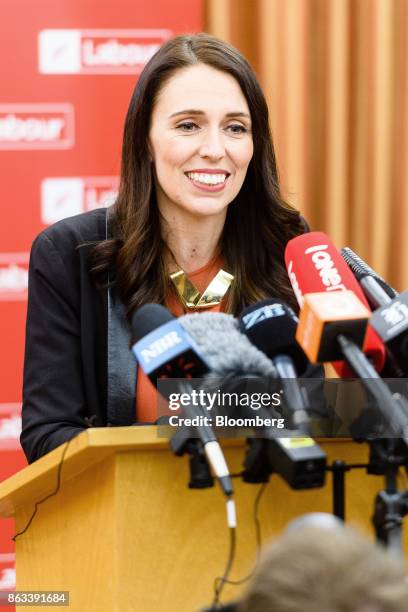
{"x":124,"y":532}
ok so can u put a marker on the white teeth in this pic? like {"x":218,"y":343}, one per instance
{"x":209,"y":179}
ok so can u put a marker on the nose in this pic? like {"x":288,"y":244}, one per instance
{"x":212,"y":146}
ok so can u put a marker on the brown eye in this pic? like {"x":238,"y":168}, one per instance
{"x":187,"y":126}
{"x":236,"y":128}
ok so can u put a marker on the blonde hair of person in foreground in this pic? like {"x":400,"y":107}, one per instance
{"x":314,"y":569}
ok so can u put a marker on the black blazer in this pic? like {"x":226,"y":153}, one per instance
{"x":78,"y":370}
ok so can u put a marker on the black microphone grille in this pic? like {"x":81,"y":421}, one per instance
{"x":357,"y":265}
{"x":361,"y":269}
{"x":271,"y":326}
{"x":147,"y":318}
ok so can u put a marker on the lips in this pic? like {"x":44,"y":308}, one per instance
{"x":209,"y":171}
{"x":209,"y":178}
{"x":207,"y":186}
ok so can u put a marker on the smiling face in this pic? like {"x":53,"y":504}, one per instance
{"x":200,"y":141}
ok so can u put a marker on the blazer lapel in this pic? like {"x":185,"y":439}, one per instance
{"x":122,"y":367}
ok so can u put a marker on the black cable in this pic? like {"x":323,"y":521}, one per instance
{"x":57,"y":488}
{"x":221,"y":580}
{"x":258,"y":538}
{"x":237,"y":475}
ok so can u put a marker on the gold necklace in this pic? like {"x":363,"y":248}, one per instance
{"x":192,"y":298}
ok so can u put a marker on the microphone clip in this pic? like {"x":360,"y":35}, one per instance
{"x":182,"y":443}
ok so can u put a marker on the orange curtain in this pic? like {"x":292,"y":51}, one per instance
{"x":335,"y":74}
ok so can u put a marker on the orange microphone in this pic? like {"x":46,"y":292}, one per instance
{"x":314,"y":265}
{"x":323,"y":317}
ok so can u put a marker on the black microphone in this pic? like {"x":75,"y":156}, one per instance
{"x":271,"y":326}
{"x":162,"y":346}
{"x":390,"y":319}
{"x":328,"y":325}
{"x":164,"y":349}
{"x":291,"y":454}
{"x":376,"y":290}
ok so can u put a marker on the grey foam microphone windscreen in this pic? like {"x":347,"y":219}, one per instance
{"x":229,"y":352}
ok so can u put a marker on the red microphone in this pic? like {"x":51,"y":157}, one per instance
{"x":315,"y":265}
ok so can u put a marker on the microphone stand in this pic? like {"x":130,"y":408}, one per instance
{"x":182,"y":443}
{"x":387,"y":455}
{"x":390,"y":507}
{"x":339,"y":469}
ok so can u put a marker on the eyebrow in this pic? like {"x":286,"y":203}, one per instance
{"x":193,"y":111}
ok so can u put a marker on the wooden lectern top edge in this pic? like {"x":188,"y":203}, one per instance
{"x":90,"y":446}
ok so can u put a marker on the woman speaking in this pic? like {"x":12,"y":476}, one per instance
{"x":199,"y":201}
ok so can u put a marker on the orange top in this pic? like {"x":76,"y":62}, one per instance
{"x":146,"y":394}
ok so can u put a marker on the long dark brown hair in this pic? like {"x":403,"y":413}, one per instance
{"x":258,"y":223}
